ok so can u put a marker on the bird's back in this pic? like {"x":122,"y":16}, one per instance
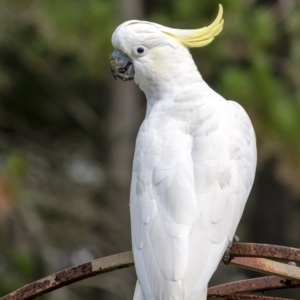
{"x":193,"y":170}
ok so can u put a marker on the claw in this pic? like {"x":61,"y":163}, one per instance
{"x":226,"y":257}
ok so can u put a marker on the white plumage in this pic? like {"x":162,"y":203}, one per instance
{"x":193,"y":168}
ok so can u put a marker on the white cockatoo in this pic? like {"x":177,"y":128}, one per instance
{"x":194,"y":161}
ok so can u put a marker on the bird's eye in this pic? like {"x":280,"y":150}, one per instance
{"x":140,"y":50}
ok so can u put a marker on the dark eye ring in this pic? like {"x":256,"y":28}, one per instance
{"x":140,"y":50}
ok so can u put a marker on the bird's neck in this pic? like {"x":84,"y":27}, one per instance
{"x":167,"y":88}
{"x":181,"y":94}
{"x":180,"y":98}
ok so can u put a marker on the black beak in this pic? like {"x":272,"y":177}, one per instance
{"x":121,"y":66}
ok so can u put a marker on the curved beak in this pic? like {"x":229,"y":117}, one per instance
{"x":121,"y":66}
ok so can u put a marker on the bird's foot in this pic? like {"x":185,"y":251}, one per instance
{"x":226,"y":257}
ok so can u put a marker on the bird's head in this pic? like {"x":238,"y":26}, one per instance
{"x":147,"y":51}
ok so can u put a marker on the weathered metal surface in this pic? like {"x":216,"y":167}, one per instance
{"x":68,"y":276}
{"x":230,"y":291}
{"x":249,"y":297}
{"x":265,"y":251}
{"x":261,"y":284}
{"x":267,"y":266}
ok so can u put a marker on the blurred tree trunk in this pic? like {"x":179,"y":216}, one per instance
{"x":273,"y":211}
{"x":125,"y":117}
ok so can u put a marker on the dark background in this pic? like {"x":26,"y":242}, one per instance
{"x":67,"y":129}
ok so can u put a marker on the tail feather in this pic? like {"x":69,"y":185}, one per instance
{"x":138,"y":293}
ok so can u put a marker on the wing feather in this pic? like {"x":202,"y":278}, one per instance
{"x":190,"y":183}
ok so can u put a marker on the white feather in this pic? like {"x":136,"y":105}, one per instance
{"x":193,"y":169}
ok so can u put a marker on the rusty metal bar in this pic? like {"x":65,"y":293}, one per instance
{"x":250,"y":297}
{"x":261,"y":284}
{"x":267,"y":266}
{"x":125,"y":260}
{"x":68,"y":276}
{"x":265,"y":251}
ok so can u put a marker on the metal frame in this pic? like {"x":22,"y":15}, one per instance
{"x":257,"y":257}
{"x":260,"y":258}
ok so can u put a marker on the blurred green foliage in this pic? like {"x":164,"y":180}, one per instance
{"x":55,"y":103}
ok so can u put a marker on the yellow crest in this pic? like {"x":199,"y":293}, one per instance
{"x":197,"y":37}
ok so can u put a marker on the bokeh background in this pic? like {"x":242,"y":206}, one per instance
{"x":67,"y":130}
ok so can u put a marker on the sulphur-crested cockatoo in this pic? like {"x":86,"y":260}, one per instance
{"x":194,"y":161}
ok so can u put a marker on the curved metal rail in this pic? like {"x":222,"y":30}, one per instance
{"x":257,"y":257}
{"x":71,"y":275}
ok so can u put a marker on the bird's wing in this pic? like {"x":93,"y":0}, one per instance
{"x":189,"y":187}
{"x":224,"y":157}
